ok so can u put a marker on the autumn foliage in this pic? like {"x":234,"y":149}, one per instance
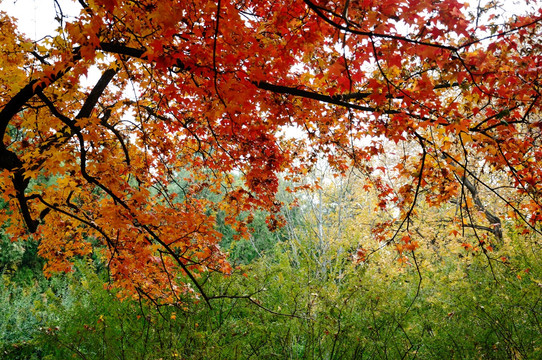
{"x":195,"y":95}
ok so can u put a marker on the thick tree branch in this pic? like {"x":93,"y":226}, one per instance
{"x":96,"y":93}
{"x":336,"y":100}
{"x":121,"y":49}
{"x":26,"y":93}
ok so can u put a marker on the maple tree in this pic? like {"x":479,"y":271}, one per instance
{"x":192,"y":94}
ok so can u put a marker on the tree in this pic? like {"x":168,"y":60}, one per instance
{"x":209,"y":87}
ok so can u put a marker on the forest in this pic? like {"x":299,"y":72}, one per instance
{"x":272,"y":179}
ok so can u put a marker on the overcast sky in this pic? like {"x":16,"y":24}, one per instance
{"x":36,"y":17}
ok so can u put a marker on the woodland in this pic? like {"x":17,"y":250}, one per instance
{"x":272,"y":179}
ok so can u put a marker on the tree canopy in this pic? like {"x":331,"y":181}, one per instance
{"x":192,"y":116}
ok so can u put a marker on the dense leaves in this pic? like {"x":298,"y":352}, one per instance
{"x":194,"y":94}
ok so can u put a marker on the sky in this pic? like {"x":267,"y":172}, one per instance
{"x":35,"y":17}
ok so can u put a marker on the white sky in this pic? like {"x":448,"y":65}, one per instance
{"x":36,"y":17}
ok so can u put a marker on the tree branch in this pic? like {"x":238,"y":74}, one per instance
{"x":336,"y":100}
{"x":495,"y":222}
{"x":96,"y":93}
